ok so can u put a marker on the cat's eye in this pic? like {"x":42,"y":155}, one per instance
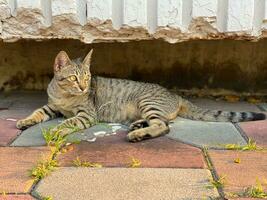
{"x":72,"y":78}
{"x":86,"y":78}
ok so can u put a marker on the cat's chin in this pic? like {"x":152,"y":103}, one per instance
{"x":79,"y":93}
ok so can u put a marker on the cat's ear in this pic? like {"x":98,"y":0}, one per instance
{"x":87,"y":59}
{"x":62,"y":59}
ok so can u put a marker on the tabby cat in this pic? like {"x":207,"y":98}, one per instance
{"x":86,"y":100}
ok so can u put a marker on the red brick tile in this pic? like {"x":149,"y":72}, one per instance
{"x":241,"y":175}
{"x":16,"y":197}
{"x":257,"y":130}
{"x":245,"y":199}
{"x":115,"y":151}
{"x":15,"y":164}
{"x":8,"y":131}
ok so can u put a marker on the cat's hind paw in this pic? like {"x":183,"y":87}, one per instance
{"x":138,"y":135}
{"x":142,"y":123}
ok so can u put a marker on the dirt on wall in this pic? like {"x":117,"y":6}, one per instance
{"x":233,"y":65}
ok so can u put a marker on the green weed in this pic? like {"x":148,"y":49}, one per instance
{"x":218,"y":184}
{"x":53,"y":139}
{"x":43,"y":168}
{"x":78,"y":163}
{"x":251,"y":146}
{"x":256,"y":191}
{"x":135,"y":163}
{"x":47,"y":198}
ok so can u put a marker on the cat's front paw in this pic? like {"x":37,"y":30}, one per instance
{"x":24,"y":124}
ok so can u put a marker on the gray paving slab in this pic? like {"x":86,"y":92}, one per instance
{"x":4,"y":104}
{"x":4,"y":101}
{"x":263,"y":106}
{"x":27,"y":100}
{"x":210,"y":134}
{"x":14,"y":115}
{"x":126,"y":183}
{"x":33,"y":136}
{"x":20,"y":104}
{"x":24,"y":99}
{"x":224,"y":105}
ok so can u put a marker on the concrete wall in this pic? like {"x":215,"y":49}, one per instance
{"x":235,"y":65}
{"x":93,"y":21}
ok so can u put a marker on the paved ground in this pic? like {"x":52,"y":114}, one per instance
{"x":184,"y":164}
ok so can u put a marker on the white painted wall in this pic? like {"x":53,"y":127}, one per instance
{"x":124,"y":20}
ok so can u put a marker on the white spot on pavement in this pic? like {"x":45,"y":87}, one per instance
{"x":114,"y":124}
{"x":115,"y":128}
{"x":11,"y":119}
{"x":100,"y":133}
{"x":91,"y":140}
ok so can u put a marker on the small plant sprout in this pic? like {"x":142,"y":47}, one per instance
{"x":43,"y":168}
{"x":251,"y":146}
{"x":78,"y":163}
{"x":135,"y":163}
{"x":256,"y":191}
{"x":3,"y":193}
{"x":237,"y":160}
{"x":54,"y":140}
{"x":218,"y":184}
{"x":47,"y":198}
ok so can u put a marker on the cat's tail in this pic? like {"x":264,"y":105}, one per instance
{"x":191,"y":111}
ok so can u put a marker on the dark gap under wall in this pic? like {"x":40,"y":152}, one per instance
{"x":234,"y":65}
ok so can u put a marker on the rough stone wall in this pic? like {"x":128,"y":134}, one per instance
{"x":92,"y":21}
{"x":235,"y":65}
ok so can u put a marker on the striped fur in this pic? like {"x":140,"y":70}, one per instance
{"x":146,"y":107}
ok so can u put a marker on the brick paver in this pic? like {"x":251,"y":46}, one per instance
{"x":15,"y":164}
{"x":123,"y":183}
{"x":16,"y":197}
{"x":252,"y":166}
{"x":245,"y":199}
{"x":115,"y":151}
{"x":8,"y":131}
{"x":256,"y":130}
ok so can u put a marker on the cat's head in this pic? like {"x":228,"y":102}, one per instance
{"x":72,"y":76}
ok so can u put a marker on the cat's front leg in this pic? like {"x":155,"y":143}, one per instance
{"x":42,"y":114}
{"x":82,"y":120}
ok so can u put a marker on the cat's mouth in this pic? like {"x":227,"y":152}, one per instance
{"x":81,"y":92}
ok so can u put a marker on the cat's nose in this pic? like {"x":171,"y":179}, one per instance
{"x":82,"y":87}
